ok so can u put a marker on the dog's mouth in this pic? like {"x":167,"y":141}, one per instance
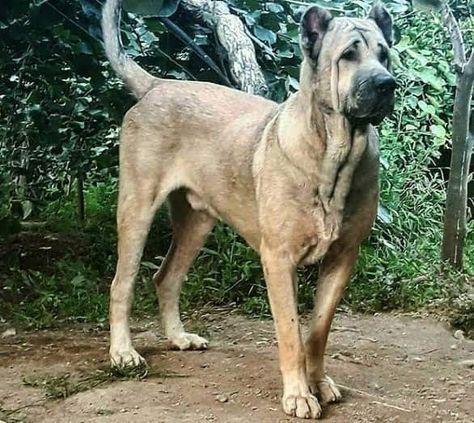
{"x":372,"y":99}
{"x":372,"y":111}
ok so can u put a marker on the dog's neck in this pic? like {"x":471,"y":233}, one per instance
{"x":330,"y":147}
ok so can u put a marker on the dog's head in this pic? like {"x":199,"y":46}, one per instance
{"x":348,"y":60}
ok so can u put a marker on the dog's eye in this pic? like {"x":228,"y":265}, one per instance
{"x":349,"y":54}
{"x":383,"y":55}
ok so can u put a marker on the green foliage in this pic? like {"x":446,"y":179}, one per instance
{"x":63,"y":385}
{"x":412,"y":186}
{"x":428,"y":4}
{"x":41,"y":299}
{"x":162,"y":8}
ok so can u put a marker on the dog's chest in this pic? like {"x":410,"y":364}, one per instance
{"x":330,"y":195}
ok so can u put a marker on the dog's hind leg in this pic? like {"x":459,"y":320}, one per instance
{"x":139,"y":199}
{"x":190,"y":230}
{"x":335,"y":272}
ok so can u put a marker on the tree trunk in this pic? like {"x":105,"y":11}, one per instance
{"x":231,"y":35}
{"x":81,"y":207}
{"x":456,"y":202}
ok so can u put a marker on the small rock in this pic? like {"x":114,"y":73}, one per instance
{"x":222,"y":398}
{"x":459,"y":334}
{"x":376,"y":386}
{"x":9,"y":332}
{"x":467,"y":363}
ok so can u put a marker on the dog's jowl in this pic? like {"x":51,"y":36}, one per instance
{"x":298,"y":181}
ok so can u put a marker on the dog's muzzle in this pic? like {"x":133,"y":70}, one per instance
{"x":373,"y":99}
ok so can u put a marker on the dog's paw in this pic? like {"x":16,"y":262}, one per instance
{"x":304,"y":406}
{"x":326,"y":390}
{"x":187,"y":341}
{"x":126,"y":359}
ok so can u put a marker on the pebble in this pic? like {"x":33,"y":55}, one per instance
{"x":222,"y":398}
{"x":9,"y":332}
{"x":467,"y":363}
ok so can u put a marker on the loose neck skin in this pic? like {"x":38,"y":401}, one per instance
{"x":320,"y":131}
{"x":308,"y":106}
{"x":329,"y":146}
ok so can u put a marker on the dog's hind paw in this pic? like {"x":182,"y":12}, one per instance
{"x":187,"y":341}
{"x":327,"y":390}
{"x":126,"y":359}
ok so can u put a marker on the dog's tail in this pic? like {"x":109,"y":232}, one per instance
{"x":137,"y":79}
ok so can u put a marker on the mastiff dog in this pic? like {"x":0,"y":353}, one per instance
{"x":298,"y":181}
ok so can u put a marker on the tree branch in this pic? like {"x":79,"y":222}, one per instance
{"x":456,"y":199}
{"x":469,"y":67}
{"x":231,"y":35}
{"x":456,"y":36}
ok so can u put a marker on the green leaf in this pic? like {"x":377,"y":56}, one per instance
{"x":39,"y":2}
{"x":155,"y":25}
{"x":417,"y":56}
{"x":384,"y":162}
{"x":265,"y":34}
{"x":428,"y":75}
{"x":161,"y":8}
{"x":384,"y":215}
{"x":149,"y":265}
{"x":91,"y":9}
{"x":293,"y":83}
{"x":438,"y":131}
{"x":286,"y":53}
{"x":428,"y":5}
{"x":426,"y":108}
{"x":169,"y":8}
{"x":274,"y":7}
{"x":27,"y":207}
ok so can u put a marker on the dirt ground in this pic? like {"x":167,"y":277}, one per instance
{"x":391,"y":369}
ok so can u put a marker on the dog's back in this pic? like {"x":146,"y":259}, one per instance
{"x":184,"y":133}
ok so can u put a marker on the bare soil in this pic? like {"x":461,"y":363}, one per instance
{"x":392,"y":368}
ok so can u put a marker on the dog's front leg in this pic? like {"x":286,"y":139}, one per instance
{"x":335,"y":271}
{"x":280,"y":275}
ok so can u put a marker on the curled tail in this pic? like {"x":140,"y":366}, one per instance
{"x":137,"y":79}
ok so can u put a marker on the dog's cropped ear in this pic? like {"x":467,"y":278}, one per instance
{"x":384,"y":21}
{"x":313,"y":26}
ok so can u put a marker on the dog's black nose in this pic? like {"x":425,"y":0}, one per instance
{"x":384,"y":83}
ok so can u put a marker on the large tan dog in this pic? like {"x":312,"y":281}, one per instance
{"x":299,"y":181}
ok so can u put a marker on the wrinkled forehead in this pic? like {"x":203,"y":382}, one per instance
{"x":343,"y":32}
